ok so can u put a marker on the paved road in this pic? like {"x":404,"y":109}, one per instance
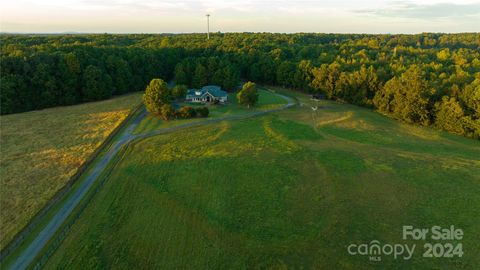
{"x":34,"y":248}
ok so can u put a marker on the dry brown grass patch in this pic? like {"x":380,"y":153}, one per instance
{"x":41,"y":150}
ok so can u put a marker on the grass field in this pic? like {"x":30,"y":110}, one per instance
{"x":41,"y":150}
{"x":285,"y":191}
{"x":266,"y":101}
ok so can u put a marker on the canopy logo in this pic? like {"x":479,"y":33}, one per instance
{"x":375,"y":250}
{"x":445,"y":244}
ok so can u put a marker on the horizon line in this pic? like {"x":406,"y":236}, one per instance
{"x":220,"y":32}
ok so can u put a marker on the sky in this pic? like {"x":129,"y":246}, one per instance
{"x":285,"y":16}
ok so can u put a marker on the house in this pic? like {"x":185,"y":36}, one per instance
{"x":208,"y":94}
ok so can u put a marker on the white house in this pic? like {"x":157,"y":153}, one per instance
{"x":207,"y":94}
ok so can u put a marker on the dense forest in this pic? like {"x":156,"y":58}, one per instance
{"x":428,"y":79}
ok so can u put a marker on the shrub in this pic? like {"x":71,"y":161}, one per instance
{"x":167,"y":112}
{"x":186,"y":112}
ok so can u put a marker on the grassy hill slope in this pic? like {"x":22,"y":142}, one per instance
{"x":41,"y":150}
{"x":288,"y":190}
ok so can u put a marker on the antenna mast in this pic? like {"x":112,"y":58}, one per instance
{"x":208,"y":26}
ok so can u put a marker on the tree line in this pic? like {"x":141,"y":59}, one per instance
{"x":37,"y":79}
{"x":427,"y":79}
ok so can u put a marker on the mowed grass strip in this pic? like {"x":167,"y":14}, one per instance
{"x":280,"y":192}
{"x":41,"y":150}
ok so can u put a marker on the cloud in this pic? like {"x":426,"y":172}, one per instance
{"x":408,"y":9}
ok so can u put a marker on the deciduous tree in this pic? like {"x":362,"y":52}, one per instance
{"x":449,"y":115}
{"x":156,"y":95}
{"x":248,"y":95}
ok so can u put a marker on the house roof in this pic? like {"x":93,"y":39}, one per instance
{"x":213,"y":90}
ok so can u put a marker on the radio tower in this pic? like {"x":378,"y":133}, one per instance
{"x":208,"y":26}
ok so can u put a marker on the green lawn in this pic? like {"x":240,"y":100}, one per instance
{"x":266,"y":101}
{"x":288,"y":190}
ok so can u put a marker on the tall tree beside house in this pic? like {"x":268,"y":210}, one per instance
{"x":180,"y":74}
{"x":156,"y":95}
{"x":231,"y":78}
{"x":248,"y":95}
{"x":200,"y":77}
{"x":179,"y":91}
{"x":218,"y":77}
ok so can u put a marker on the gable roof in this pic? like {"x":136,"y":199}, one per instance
{"x":213,"y":90}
